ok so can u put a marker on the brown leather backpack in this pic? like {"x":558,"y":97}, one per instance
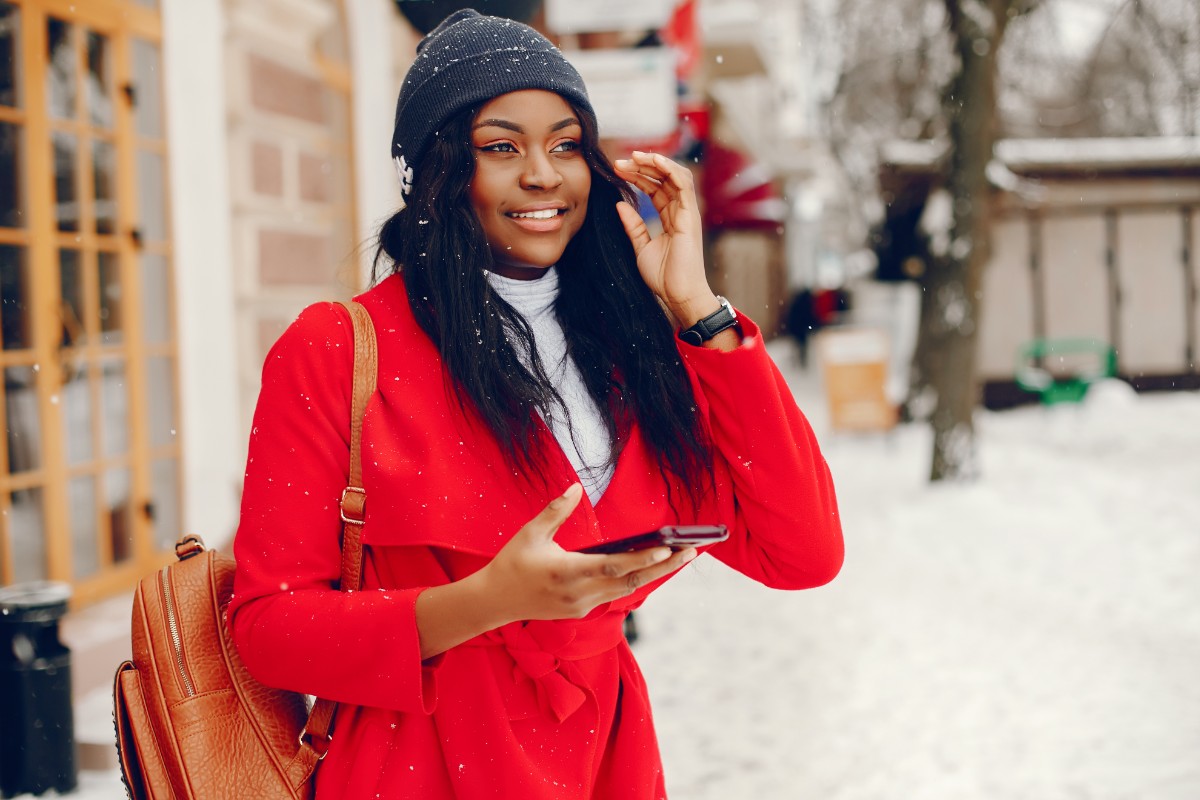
{"x":191,"y":722}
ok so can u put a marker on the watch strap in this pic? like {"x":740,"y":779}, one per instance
{"x":724,"y":317}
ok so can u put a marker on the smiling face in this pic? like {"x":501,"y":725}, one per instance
{"x":531,"y":182}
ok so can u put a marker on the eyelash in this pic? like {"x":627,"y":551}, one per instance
{"x":570,"y":145}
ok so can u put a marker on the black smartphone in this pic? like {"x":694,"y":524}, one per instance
{"x":674,"y":536}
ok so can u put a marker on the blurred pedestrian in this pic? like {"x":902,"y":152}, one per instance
{"x":801,"y":322}
{"x":829,"y":304}
{"x":533,"y":400}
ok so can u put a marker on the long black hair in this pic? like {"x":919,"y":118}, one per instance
{"x":616,"y":331}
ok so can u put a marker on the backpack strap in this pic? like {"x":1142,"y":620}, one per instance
{"x":354,"y":496}
{"x":354,"y":500}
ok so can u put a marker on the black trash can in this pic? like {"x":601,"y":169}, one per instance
{"x":37,"y":735}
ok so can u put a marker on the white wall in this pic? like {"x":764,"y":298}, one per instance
{"x":1006,"y":320}
{"x":1195,"y":327}
{"x":1154,"y":303}
{"x":197,"y":109}
{"x":1075,"y":279}
{"x":371,"y":26}
{"x":194,"y":74}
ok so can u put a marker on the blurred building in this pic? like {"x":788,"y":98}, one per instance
{"x":764,"y":201}
{"x":1092,"y":239}
{"x":177,"y":180}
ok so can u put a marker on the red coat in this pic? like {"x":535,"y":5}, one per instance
{"x":539,"y":710}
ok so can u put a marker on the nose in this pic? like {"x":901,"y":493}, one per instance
{"x":540,"y":172}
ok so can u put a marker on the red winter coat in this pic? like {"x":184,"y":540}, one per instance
{"x":532,"y":710}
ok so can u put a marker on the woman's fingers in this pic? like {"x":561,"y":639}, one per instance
{"x":651,"y":181}
{"x":543,"y":527}
{"x":631,"y":170}
{"x":652,"y":189}
{"x":677,"y":185}
{"x":628,"y":583}
{"x":625,"y":572}
{"x":617,"y":565}
{"x":534,"y":578}
{"x":655,"y":165}
{"x":669,"y":186}
{"x":672,"y":176}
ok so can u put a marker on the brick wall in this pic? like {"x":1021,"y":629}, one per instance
{"x":291,"y":169}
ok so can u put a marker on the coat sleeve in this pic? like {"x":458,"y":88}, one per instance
{"x":291,"y":627}
{"x":786,"y":533}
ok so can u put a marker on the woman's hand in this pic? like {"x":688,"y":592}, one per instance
{"x":533,"y":578}
{"x":671,"y":264}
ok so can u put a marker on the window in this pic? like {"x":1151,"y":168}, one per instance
{"x":90,"y":479}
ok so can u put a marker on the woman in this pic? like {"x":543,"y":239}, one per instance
{"x":533,"y":400}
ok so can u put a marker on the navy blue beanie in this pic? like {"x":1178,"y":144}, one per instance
{"x":464,"y":62}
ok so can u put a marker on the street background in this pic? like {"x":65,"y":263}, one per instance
{"x":179,"y":179}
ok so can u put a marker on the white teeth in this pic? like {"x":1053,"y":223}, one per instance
{"x":547,"y":213}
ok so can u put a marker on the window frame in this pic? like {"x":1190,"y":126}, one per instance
{"x":121,"y":22}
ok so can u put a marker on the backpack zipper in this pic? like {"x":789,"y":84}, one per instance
{"x":176,"y":639}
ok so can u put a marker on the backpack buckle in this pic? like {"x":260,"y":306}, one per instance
{"x":188,"y":546}
{"x":353,"y":505}
{"x":310,"y":741}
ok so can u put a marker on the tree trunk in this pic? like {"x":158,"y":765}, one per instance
{"x":953,"y":282}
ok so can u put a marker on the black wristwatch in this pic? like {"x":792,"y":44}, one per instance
{"x":711,"y":325}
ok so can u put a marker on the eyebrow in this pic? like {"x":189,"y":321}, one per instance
{"x":515,"y":128}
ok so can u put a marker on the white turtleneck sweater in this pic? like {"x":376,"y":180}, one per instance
{"x":579,"y":427}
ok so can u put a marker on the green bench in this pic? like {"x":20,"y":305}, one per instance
{"x":1061,"y":370}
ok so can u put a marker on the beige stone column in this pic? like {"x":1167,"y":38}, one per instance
{"x":291,"y":168}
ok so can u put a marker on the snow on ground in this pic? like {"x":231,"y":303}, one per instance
{"x":1033,"y":635}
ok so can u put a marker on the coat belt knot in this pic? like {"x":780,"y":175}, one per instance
{"x":542,"y":652}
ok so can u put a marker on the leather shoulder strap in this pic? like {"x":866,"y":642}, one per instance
{"x":354,"y":496}
{"x":354,"y":499}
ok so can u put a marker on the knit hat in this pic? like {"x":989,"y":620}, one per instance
{"x":464,"y":62}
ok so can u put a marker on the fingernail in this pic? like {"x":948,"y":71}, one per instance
{"x":692,"y":554}
{"x":565,"y":498}
{"x":661,"y":554}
